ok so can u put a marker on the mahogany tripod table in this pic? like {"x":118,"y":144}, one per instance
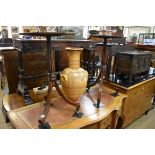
{"x":104,"y":52}
{"x":52,"y":82}
{"x":22,"y":88}
{"x":103,"y":63}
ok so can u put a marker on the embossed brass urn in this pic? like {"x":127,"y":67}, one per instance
{"x":74,"y":79}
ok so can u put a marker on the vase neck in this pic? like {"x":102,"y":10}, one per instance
{"x":74,"y":59}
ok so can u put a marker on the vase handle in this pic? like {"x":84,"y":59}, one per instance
{"x":63,"y":78}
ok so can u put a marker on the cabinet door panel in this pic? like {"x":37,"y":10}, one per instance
{"x":138,"y":101}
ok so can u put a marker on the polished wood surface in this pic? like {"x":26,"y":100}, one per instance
{"x":138,"y":101}
{"x":105,"y":36}
{"x":14,"y":101}
{"x":42,"y":33}
{"x":47,"y":33}
{"x":132,"y":86}
{"x":60,"y":114}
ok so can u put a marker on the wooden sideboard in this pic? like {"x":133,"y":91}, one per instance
{"x":138,"y":101}
{"x":60,"y":114}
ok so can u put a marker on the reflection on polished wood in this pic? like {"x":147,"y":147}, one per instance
{"x":60,"y":114}
{"x":14,"y":101}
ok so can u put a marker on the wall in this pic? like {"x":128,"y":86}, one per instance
{"x":133,"y":31}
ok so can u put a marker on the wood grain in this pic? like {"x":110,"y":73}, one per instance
{"x":138,"y":99}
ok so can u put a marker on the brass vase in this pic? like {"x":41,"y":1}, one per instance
{"x":74,"y":79}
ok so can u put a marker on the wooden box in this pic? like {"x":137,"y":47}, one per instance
{"x":132,"y":64}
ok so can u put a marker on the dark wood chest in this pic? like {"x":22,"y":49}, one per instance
{"x":132,"y":65}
